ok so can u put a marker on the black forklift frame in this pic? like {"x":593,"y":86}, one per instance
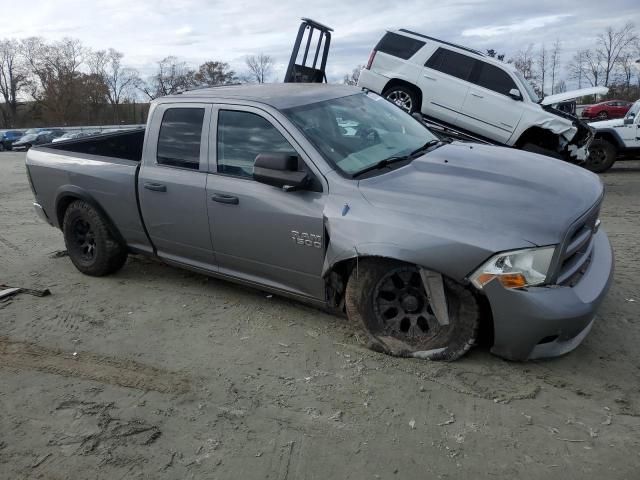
{"x":299,"y":73}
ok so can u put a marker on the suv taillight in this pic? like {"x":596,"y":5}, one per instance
{"x":371,"y":57}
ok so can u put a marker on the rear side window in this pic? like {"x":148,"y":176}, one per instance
{"x":179,"y":138}
{"x":241,"y":137}
{"x":399,"y":45}
{"x":492,"y":77}
{"x":451,"y":63}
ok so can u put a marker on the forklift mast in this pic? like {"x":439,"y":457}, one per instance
{"x":305,"y":71}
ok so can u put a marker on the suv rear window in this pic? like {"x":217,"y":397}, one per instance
{"x":492,"y":77}
{"x":399,"y":45}
{"x":451,"y":63}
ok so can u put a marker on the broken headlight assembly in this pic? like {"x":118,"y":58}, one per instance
{"x":516,"y":269}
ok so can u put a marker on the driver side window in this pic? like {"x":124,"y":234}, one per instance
{"x":241,"y":137}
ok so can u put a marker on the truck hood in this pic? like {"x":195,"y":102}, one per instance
{"x":573,"y":94}
{"x":616,"y":122}
{"x":484,"y":193}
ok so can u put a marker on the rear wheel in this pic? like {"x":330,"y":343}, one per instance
{"x":403,"y":97}
{"x":389,"y":300}
{"x":602,"y":155}
{"x":603,"y":116}
{"x":91,"y":246}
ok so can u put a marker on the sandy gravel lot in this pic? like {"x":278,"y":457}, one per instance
{"x":163,"y":374}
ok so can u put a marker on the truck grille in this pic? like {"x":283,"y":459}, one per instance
{"x":577,"y":249}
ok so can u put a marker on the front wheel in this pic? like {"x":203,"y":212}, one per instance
{"x":91,"y":246}
{"x":403,"y":97}
{"x":389,"y":300}
{"x":602,"y":155}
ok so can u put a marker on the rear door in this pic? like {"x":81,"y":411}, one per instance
{"x":488,"y":109}
{"x":172,"y":184}
{"x":261,"y":233}
{"x":444,"y":84}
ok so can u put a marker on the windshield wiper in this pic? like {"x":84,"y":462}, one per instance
{"x":385,"y":162}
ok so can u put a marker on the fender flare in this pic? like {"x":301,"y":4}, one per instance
{"x":609,"y":132}
{"x":65,"y":194}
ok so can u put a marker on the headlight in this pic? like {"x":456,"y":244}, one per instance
{"x":520,"y":268}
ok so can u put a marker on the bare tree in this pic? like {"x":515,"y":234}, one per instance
{"x":543,"y":60}
{"x":352,"y":78}
{"x":560,"y":87}
{"x":260,"y":67}
{"x":13,"y":78}
{"x":577,"y":67}
{"x":555,"y":63}
{"x":214,"y":73}
{"x":611,"y":44}
{"x":118,"y":79}
{"x":523,"y":62}
{"x":172,"y":77}
{"x":594,"y":68}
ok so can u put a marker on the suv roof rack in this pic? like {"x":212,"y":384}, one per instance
{"x":442,"y":41}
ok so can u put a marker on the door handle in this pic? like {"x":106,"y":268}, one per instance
{"x":476,"y":95}
{"x":156,"y":187}
{"x":427,"y":76}
{"x":221,"y":198}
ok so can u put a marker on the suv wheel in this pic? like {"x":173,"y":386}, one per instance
{"x":389,"y":300}
{"x":92,"y":248}
{"x":602,"y":155}
{"x":403,"y":97}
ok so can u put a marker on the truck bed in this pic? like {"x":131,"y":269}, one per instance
{"x":102,"y":170}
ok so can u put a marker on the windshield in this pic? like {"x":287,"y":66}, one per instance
{"x":633,"y":111}
{"x":527,"y":86}
{"x":356,"y":132}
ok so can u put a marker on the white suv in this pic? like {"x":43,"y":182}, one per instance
{"x":469,"y":91}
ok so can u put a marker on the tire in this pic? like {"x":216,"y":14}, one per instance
{"x":91,"y":246}
{"x":602,"y":155}
{"x":602,"y":116}
{"x":368,"y":302}
{"x":2,"y":149}
{"x":404,"y":97}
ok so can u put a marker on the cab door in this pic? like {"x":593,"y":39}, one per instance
{"x":172,"y":184}
{"x":488,"y":109}
{"x":630,"y":132}
{"x":263,"y":234}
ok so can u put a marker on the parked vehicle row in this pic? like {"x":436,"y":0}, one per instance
{"x":23,"y":140}
{"x":607,"y":110}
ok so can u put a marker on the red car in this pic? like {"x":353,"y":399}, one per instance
{"x":608,"y":109}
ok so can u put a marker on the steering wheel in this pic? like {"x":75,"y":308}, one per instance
{"x":368,"y":134}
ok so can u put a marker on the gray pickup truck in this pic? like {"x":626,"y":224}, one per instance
{"x":336,"y":197}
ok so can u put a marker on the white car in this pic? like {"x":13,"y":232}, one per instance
{"x":469,"y":91}
{"x":614,"y":140}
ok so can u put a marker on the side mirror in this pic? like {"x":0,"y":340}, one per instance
{"x":515,"y":94}
{"x":279,"y":170}
{"x":629,"y":119}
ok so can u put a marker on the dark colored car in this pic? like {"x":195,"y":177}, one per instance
{"x":608,"y":109}
{"x":31,"y":139}
{"x":7,"y":138}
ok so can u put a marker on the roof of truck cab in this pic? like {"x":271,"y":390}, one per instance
{"x":277,"y":95}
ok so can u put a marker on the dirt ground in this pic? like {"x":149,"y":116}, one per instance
{"x":160,"y":373}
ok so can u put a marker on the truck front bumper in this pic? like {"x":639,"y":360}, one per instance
{"x":549,"y":321}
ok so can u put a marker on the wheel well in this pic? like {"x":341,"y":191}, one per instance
{"x":609,"y":137}
{"x":66,"y":200}
{"x":538,"y":136}
{"x":396,"y":82}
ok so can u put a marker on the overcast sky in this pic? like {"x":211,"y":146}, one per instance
{"x":228,"y":30}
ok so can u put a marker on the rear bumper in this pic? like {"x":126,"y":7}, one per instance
{"x":549,"y":321}
{"x":372,"y":81}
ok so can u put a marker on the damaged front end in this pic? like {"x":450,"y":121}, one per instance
{"x":573,"y":144}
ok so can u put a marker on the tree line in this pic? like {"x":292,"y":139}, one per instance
{"x":65,"y":83}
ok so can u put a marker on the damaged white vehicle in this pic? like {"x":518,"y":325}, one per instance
{"x":484,"y":97}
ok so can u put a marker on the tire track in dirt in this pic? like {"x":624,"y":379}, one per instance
{"x":90,"y":366}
